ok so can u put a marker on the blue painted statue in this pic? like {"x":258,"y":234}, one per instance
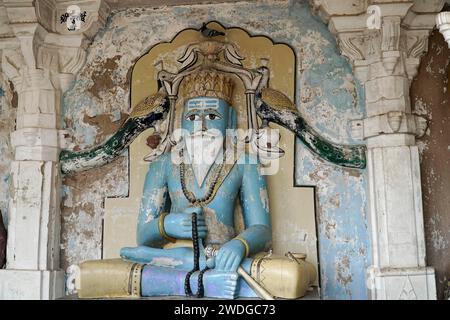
{"x":187,"y":240}
{"x":199,"y":182}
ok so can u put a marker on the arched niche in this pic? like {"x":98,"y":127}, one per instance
{"x":292,"y":208}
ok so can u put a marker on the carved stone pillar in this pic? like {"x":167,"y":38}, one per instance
{"x":443,"y":23}
{"x":384,"y":47}
{"x":40,"y":64}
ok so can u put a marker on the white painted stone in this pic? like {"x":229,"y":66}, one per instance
{"x":40,"y":144}
{"x":31,"y":284}
{"x":443,"y":23}
{"x":402,"y":283}
{"x":33,"y":229}
{"x":394,"y":179}
{"x":393,"y":122}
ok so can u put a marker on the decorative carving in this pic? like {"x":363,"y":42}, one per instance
{"x":208,"y":84}
{"x":12,"y":62}
{"x":209,"y":77}
{"x":417,"y":44}
{"x":407,"y":292}
{"x":395,"y":120}
{"x":443,"y":23}
{"x":210,"y":50}
{"x":348,"y":48}
{"x":390,"y":33}
{"x":390,"y":60}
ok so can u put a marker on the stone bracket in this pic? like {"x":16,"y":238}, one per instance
{"x":394,"y":122}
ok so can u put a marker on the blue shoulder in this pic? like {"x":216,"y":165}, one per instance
{"x":160,"y":163}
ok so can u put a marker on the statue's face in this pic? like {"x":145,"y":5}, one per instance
{"x":205,"y":113}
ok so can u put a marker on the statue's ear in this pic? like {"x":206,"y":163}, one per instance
{"x":232,"y":118}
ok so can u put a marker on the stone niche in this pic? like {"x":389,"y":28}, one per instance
{"x":121,"y":213}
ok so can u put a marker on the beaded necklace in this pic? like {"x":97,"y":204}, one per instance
{"x":197,"y":203}
{"x":187,"y":285}
{"x":218,"y":179}
{"x":210,"y":191}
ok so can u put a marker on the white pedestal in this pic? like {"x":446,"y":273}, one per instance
{"x":402,"y":283}
{"x":31,"y":284}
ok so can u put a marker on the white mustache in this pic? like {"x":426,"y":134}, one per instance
{"x":211,"y":133}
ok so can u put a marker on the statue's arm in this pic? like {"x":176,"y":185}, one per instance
{"x":153,"y":203}
{"x":255,"y":207}
{"x":257,"y":234}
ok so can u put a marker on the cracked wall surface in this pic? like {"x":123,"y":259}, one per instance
{"x":327,"y":94}
{"x":430,"y":97}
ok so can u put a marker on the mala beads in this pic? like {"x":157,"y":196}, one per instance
{"x":187,"y":286}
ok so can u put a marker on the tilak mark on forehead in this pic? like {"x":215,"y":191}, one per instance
{"x":202,"y":103}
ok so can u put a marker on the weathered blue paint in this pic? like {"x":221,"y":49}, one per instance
{"x":163,"y":182}
{"x":344,"y":245}
{"x":327,"y":94}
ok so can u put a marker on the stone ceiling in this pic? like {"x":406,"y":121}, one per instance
{"x":121,"y":4}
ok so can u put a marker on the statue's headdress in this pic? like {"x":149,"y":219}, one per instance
{"x":207,"y":83}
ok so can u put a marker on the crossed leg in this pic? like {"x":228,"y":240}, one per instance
{"x":166,"y":271}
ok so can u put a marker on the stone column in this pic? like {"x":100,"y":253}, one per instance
{"x":41,"y":65}
{"x":443,"y":23}
{"x":384,"y":43}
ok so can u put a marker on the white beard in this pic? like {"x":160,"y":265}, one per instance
{"x":202,"y":149}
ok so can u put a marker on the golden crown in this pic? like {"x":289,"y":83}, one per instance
{"x":207,"y":83}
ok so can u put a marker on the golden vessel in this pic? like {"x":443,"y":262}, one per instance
{"x":286,"y":277}
{"x":110,"y":278}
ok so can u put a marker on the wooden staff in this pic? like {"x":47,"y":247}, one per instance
{"x":259,"y":289}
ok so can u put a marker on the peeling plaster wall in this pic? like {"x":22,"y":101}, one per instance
{"x":326,"y":93}
{"x":8,"y":106}
{"x":430,"y":97}
{"x":330,"y":97}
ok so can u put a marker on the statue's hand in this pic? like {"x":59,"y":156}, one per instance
{"x":179,"y":225}
{"x":229,"y":257}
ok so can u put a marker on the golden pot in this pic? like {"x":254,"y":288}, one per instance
{"x":284,"y":277}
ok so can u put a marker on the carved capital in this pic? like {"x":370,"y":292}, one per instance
{"x":395,"y":34}
{"x":36,"y":39}
{"x":12,"y":62}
